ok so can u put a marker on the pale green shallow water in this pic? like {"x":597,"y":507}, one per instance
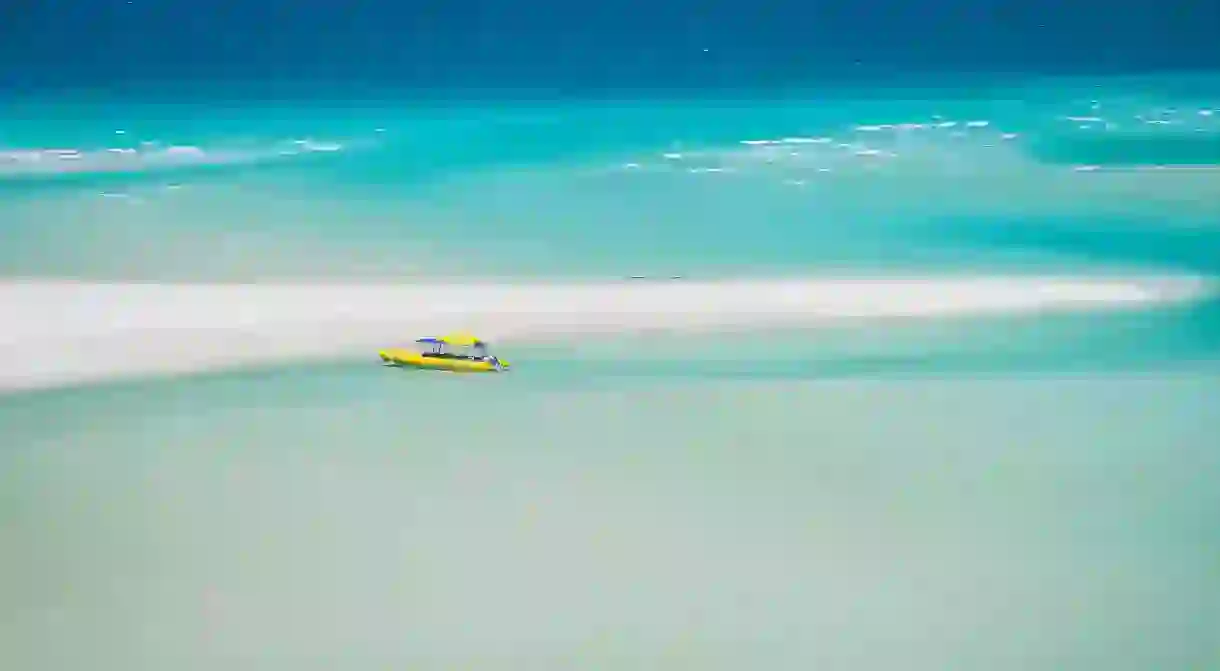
{"x":367,"y":518}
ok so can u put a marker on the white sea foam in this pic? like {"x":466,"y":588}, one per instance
{"x":148,"y":156}
{"x":974,"y":166}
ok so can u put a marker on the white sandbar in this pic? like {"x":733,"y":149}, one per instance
{"x":63,"y":333}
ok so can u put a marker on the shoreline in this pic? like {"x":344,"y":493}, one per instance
{"x":63,"y":333}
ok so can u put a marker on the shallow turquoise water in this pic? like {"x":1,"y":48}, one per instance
{"x":604,"y":188}
{"x":1007,"y":493}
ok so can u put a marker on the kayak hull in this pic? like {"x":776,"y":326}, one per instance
{"x":409,"y":359}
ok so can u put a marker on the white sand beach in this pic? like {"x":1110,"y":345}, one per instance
{"x":61,"y":333}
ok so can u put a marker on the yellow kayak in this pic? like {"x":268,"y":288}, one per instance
{"x":409,"y":359}
{"x":458,"y":353}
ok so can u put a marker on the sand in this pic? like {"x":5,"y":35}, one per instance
{"x":61,"y":333}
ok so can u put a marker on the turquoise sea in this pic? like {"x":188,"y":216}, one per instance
{"x":1012,"y":492}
